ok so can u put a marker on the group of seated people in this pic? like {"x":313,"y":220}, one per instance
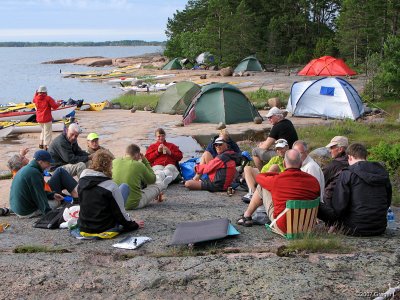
{"x":354,"y":193}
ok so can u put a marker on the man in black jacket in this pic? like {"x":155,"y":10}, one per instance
{"x":66,"y":152}
{"x":362,"y":195}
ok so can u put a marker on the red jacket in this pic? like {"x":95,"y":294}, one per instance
{"x":156,"y":158}
{"x":291,"y":184}
{"x":221,"y":170}
{"x":44,"y":104}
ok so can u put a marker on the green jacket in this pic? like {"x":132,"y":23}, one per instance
{"x":276,"y":160}
{"x":27,"y":193}
{"x":133,"y":173}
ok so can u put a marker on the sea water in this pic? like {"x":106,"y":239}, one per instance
{"x":22,"y":72}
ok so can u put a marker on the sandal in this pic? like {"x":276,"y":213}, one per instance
{"x":4,"y":211}
{"x":245,"y":221}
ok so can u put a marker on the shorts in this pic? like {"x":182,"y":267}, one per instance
{"x":207,"y":185}
{"x":264,"y":155}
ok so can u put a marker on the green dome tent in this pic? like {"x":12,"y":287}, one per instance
{"x":174,"y":64}
{"x":220,"y":102}
{"x":249,"y":63}
{"x":177,"y":98}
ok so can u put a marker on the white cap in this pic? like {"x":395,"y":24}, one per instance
{"x":42,"y":89}
{"x":281,"y":143}
{"x":274,"y":111}
{"x":219,"y":140}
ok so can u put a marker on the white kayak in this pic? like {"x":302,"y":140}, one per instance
{"x":61,"y":112}
{"x":26,"y":127}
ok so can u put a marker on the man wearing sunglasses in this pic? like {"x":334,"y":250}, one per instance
{"x":221,"y":170}
{"x":281,"y":129}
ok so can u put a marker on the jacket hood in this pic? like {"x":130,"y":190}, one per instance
{"x":372,"y":173}
{"x":91,"y":178}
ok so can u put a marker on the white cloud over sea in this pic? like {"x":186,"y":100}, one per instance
{"x":85,"y":20}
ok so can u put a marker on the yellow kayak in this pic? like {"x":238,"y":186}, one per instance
{"x":97,"y":106}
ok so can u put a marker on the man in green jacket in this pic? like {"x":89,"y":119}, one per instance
{"x":135,"y":170}
{"x":27,"y":195}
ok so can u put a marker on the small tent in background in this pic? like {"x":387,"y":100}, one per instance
{"x":327,"y":97}
{"x":220,"y":102}
{"x":174,"y":64}
{"x":205,"y":58}
{"x":327,"y":66}
{"x":177,"y":98}
{"x":249,"y":63}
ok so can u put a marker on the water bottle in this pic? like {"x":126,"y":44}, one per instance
{"x":390,"y":219}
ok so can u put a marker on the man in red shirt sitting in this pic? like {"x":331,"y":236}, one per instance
{"x":275,"y":189}
{"x":163,"y":157}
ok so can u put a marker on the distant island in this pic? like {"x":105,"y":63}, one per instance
{"x":82,"y":44}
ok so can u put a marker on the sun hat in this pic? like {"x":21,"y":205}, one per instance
{"x":92,"y":136}
{"x":42,"y":89}
{"x":274,"y":111}
{"x":43,"y":156}
{"x":219,"y":140}
{"x":281,"y":143}
{"x":340,"y":141}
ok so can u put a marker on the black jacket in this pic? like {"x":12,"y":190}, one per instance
{"x":331,"y":174}
{"x":63,"y":152}
{"x":361,"y":198}
{"x":102,"y":205}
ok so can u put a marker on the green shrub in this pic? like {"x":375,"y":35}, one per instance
{"x":261,"y":96}
{"x":139,"y":101}
{"x":387,"y":153}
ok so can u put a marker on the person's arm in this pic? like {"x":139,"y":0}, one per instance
{"x":267,"y":143}
{"x":119,"y":213}
{"x":152,"y":153}
{"x":342,"y":193}
{"x":53,"y":103}
{"x":148,"y":173}
{"x":73,"y":154}
{"x":39,"y":196}
{"x":215,"y":164}
{"x":175,"y":153}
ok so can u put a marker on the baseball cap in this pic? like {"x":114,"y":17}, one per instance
{"x":219,"y":140}
{"x":281,"y":143}
{"x":91,"y":136}
{"x":43,"y":156}
{"x":340,"y":141}
{"x":42,"y":89}
{"x":274,"y":111}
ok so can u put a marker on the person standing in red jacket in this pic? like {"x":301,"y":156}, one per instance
{"x":44,"y":104}
{"x":164,"y":157}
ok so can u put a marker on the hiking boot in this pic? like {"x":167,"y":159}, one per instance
{"x":247,"y":198}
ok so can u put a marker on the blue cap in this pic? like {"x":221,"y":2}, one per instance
{"x":43,"y":156}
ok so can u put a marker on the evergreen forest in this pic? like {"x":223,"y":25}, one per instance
{"x":365,"y":33}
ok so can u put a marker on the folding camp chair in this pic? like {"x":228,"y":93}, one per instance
{"x":301,"y":217}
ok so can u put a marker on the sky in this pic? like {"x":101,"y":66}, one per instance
{"x":85,"y":20}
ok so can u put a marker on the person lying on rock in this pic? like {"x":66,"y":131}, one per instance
{"x":220,"y":171}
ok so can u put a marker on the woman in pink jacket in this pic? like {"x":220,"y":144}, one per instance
{"x":44,"y":104}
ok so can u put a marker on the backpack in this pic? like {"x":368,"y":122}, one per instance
{"x":53,"y":218}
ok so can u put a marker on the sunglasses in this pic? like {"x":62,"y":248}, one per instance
{"x":218,"y":145}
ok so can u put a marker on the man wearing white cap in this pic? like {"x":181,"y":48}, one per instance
{"x":274,"y":165}
{"x":281,"y":129}
{"x":44,"y":104}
